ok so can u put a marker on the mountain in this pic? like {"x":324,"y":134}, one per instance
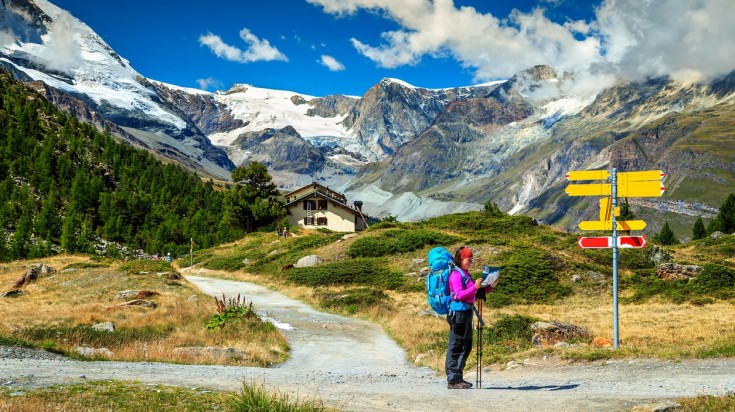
{"x":83,"y":75}
{"x":406,"y":151}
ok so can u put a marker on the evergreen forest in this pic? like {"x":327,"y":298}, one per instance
{"x":66,"y":186}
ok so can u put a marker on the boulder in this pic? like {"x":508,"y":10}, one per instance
{"x":139,"y":302}
{"x":547,"y":334}
{"x":667,"y":406}
{"x":716,"y":235}
{"x":94,"y":352}
{"x":11,"y":293}
{"x":104,"y":327}
{"x":658,"y":255}
{"x":674,"y":271}
{"x":308,"y":261}
{"x":126,"y":294}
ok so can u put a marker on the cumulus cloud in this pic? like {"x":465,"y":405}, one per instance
{"x":631,"y":38}
{"x":331,"y":63}
{"x":257,"y":50}
{"x":208,"y":82}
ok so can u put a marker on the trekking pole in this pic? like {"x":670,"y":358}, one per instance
{"x":478,"y":374}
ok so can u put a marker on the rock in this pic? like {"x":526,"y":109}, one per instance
{"x":424,"y":272}
{"x":349,"y":236}
{"x":657,"y":407}
{"x":145,"y":294}
{"x":308,"y":261}
{"x":104,"y":327}
{"x":211,"y":351}
{"x":246,"y":261}
{"x":93,"y":352}
{"x":658,"y":255}
{"x":420,"y":357}
{"x":12,"y":293}
{"x":716,"y":235}
{"x":601,"y":342}
{"x":126,"y":294}
{"x":547,"y":334}
{"x":674,"y":271}
{"x":576,"y":279}
{"x":140,"y":302}
{"x":193,"y":298}
{"x":417,"y":261}
{"x":410,"y":274}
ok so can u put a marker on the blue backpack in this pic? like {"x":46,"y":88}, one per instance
{"x":441,"y":264}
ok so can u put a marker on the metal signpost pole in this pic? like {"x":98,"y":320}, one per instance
{"x":614,"y":176}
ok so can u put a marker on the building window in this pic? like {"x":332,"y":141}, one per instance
{"x":322,"y":205}
{"x":309,"y":221}
{"x":309,"y":204}
{"x":321,"y":221}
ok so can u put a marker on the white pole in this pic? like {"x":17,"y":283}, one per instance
{"x":191,"y":252}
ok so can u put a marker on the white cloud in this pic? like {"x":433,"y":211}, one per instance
{"x":258,"y":49}
{"x":331,"y":63}
{"x":208,"y":82}
{"x":632,"y":38}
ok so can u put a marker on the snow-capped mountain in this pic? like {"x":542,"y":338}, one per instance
{"x":405,"y":151}
{"x":42,"y":42}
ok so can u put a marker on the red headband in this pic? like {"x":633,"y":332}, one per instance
{"x":465,"y":253}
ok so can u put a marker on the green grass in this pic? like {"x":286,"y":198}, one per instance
{"x":137,"y":267}
{"x":122,"y":396}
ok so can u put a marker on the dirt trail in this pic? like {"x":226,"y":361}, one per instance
{"x":353,"y":365}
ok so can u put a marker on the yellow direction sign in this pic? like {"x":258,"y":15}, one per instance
{"x":640,"y":189}
{"x":590,"y":189}
{"x":606,"y":209}
{"x":642,"y":176}
{"x":607,"y":225}
{"x":588,"y":175}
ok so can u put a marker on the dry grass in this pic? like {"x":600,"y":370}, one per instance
{"x":57,"y":311}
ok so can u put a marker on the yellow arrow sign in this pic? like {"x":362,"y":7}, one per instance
{"x":590,"y":189}
{"x":607,"y":225}
{"x":642,"y":176}
{"x":641,"y":189}
{"x":588,"y":175}
{"x":606,"y":209}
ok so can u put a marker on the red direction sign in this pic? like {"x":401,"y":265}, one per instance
{"x":605,"y":242}
{"x":632,"y":241}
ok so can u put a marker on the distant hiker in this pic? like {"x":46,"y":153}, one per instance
{"x":286,"y":233}
{"x":463,"y":290}
{"x":279,"y":231}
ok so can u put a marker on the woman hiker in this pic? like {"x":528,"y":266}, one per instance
{"x":463,"y":290}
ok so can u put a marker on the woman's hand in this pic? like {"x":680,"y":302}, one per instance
{"x":478,"y":282}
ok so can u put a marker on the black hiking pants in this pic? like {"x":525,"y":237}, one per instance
{"x":460,"y":344}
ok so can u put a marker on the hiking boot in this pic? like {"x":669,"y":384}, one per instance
{"x":459,"y":385}
{"x":467,"y":383}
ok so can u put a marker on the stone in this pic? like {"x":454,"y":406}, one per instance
{"x":12,"y":293}
{"x":349,"y":236}
{"x":601,"y":342}
{"x":716,"y":235}
{"x":211,"y":351}
{"x":93,"y":352}
{"x":547,"y":334}
{"x":104,"y":327}
{"x":576,"y":279}
{"x":674,"y":271}
{"x":126,"y":294}
{"x":139,"y":302}
{"x":308,"y":261}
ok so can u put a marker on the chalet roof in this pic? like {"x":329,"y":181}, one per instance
{"x":323,"y":189}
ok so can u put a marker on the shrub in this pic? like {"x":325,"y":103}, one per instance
{"x":716,"y":280}
{"x":362,"y":271}
{"x":528,"y":277}
{"x":397,"y":241}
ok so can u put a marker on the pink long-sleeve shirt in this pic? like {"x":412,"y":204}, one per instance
{"x":464,"y":294}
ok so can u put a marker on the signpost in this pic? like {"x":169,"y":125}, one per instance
{"x":624,"y":184}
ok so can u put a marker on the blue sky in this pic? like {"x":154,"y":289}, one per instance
{"x":321,"y":47}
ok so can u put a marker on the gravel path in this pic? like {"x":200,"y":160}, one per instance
{"x":352,"y":364}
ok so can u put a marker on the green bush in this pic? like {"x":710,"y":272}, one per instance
{"x":362,"y":271}
{"x":528,"y":277}
{"x":509,"y":334}
{"x":635,"y":259}
{"x":397,"y":241}
{"x":716,"y":280}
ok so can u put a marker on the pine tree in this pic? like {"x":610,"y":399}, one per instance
{"x":727,"y":215}
{"x":666,"y":236}
{"x":698,"y":231}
